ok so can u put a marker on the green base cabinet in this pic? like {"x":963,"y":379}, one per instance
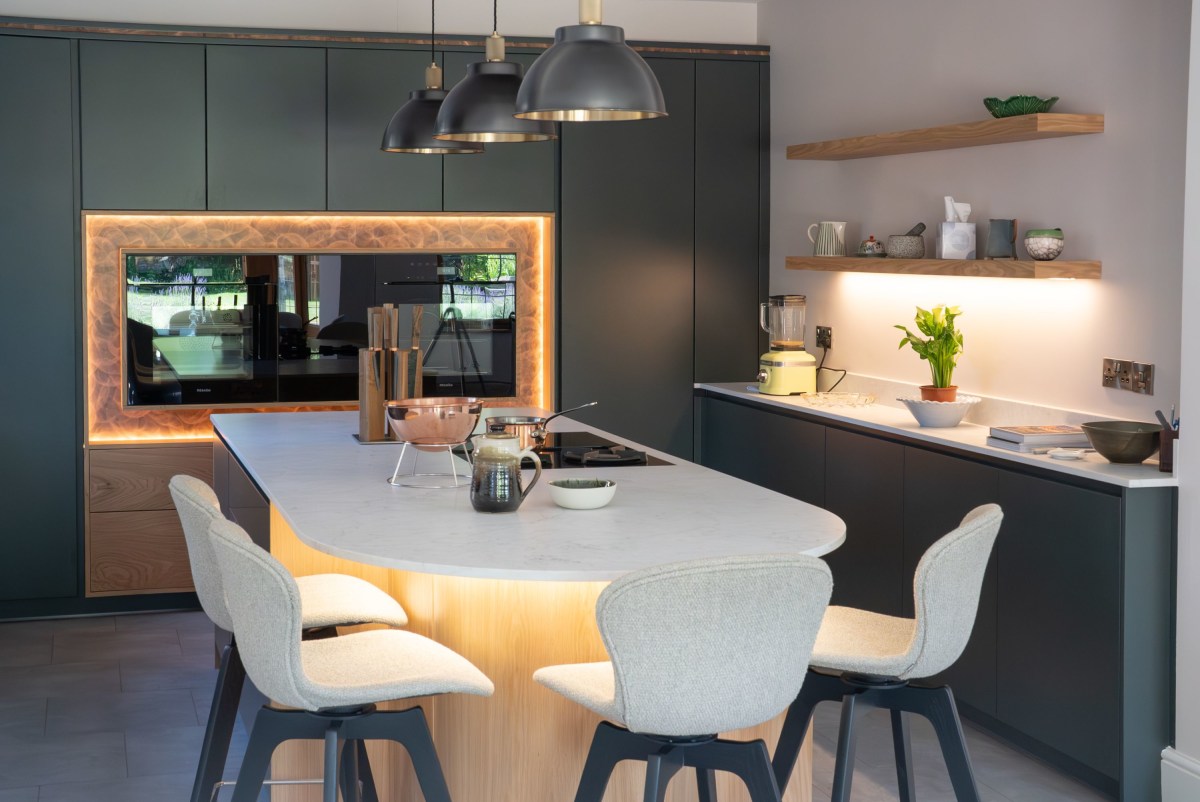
{"x":1073,"y":646}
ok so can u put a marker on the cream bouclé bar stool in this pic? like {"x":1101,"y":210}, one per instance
{"x":328,"y":600}
{"x":696,"y":648}
{"x":865,"y":660}
{"x":330,"y":687}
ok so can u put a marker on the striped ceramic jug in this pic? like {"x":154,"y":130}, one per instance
{"x":830,"y":239}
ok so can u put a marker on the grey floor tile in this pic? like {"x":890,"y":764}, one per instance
{"x":176,"y":750}
{"x":55,"y":625}
{"x":75,"y":647}
{"x":168,"y":673}
{"x":118,"y":711}
{"x":59,"y":680}
{"x":19,"y":795}
{"x":187,"y":620}
{"x":157,"y":788}
{"x":27,"y":760}
{"x":198,"y":643}
{"x":25,"y":650}
{"x":23,"y":716}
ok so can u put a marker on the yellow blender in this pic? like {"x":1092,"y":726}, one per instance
{"x":787,"y":369}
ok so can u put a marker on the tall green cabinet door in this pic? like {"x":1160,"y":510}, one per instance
{"x":266,"y":128}
{"x":626,"y":270}
{"x":507,"y":176}
{"x":366,"y":87}
{"x":728,"y":257}
{"x":39,"y":470}
{"x":142,"y":125}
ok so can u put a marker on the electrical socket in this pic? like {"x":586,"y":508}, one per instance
{"x":1122,"y":374}
{"x":824,"y":336}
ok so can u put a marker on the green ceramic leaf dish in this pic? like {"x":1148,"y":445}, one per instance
{"x":1018,"y":105}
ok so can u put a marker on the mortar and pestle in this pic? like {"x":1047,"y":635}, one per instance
{"x":907,"y":246}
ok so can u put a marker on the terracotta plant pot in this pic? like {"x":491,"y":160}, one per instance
{"x":931,"y":393}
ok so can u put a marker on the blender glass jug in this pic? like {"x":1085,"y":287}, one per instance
{"x":782,"y":318}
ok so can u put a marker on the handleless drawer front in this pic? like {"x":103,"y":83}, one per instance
{"x":137,"y":552}
{"x":124,"y":479}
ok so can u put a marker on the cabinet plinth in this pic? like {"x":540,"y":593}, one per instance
{"x":947,"y":137}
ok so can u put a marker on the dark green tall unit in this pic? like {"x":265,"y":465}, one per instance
{"x":366,"y":87}
{"x":142,"y":125}
{"x":730,"y":257}
{"x":266,"y":128}
{"x":507,"y":176}
{"x":627,"y":268}
{"x":39,"y":393}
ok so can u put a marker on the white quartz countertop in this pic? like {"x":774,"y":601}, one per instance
{"x":334,"y":493}
{"x":965,"y":437}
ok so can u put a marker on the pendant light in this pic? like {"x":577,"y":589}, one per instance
{"x":480,"y":108}
{"x":589,"y":74}
{"x":411,"y":127}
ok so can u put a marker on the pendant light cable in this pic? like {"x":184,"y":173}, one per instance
{"x":495,"y":16}
{"x":432,"y":29}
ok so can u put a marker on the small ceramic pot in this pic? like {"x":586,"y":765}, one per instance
{"x":1044,"y":244}
{"x":906,"y":246}
{"x":931,"y":393}
{"x":871,"y":247}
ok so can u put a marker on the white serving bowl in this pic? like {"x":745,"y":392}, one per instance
{"x":940,"y":414}
{"x":582,"y":494}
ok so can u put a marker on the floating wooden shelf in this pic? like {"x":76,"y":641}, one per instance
{"x":994,"y":268}
{"x":945,"y":137}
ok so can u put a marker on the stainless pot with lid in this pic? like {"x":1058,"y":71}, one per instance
{"x":529,"y":429}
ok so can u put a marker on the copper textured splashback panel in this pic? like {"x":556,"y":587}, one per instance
{"x":107,"y":235}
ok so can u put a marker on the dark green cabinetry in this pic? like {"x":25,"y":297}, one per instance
{"x":266,"y":128}
{"x":1072,"y":650}
{"x":142,"y":125}
{"x":864,"y":486}
{"x":938,"y":491}
{"x":662,"y":256}
{"x":506,"y":177}
{"x":366,"y":87}
{"x":1060,"y":585}
{"x":40,"y":391}
{"x":774,"y":451}
{"x":626,"y":272}
{"x":729,"y":257}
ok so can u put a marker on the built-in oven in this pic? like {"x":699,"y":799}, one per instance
{"x":213,"y":329}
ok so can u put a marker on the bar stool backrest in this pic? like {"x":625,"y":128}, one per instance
{"x":198,"y":507}
{"x":712,"y":645}
{"x":265,"y":604}
{"x":946,"y":591}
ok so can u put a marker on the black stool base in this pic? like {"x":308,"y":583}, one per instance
{"x":858,"y":694}
{"x":665,"y":757}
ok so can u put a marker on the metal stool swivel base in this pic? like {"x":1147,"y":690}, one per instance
{"x":858,"y":694}
{"x":409,"y":728}
{"x":222,"y":718}
{"x":666,"y":756}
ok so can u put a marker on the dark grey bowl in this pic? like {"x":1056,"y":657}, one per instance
{"x":1122,"y":440}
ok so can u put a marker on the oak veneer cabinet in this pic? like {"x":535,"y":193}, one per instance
{"x":134,"y":540}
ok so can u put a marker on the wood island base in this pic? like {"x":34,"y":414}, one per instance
{"x":525,"y":743}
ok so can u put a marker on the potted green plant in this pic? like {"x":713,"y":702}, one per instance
{"x":940,"y":346}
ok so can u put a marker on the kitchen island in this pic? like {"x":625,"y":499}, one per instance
{"x":511,"y":592}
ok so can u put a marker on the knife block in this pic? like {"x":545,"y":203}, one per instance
{"x":372,"y":383}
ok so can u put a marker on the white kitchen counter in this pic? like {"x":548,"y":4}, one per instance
{"x":965,"y":437}
{"x":334,"y":494}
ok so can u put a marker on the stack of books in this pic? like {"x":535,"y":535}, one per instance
{"x":1038,"y":438}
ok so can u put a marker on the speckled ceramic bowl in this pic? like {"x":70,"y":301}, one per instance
{"x":582,"y":494}
{"x":906,"y":246}
{"x":1044,"y":244}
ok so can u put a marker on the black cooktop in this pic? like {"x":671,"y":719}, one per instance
{"x":587,"y":450}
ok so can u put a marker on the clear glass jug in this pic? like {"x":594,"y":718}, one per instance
{"x":782,"y":318}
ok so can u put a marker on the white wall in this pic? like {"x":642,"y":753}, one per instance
{"x":666,"y":20}
{"x":849,"y":67}
{"x":1181,"y":766}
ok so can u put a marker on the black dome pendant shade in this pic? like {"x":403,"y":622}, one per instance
{"x":589,"y":74}
{"x":480,"y":108}
{"x":411,"y":127}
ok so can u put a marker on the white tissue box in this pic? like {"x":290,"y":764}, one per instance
{"x":956,"y":241}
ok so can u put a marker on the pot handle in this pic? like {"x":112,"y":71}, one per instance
{"x":537,"y":470}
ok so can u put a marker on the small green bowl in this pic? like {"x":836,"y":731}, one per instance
{"x":1017,"y":105}
{"x":1123,"y":441}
